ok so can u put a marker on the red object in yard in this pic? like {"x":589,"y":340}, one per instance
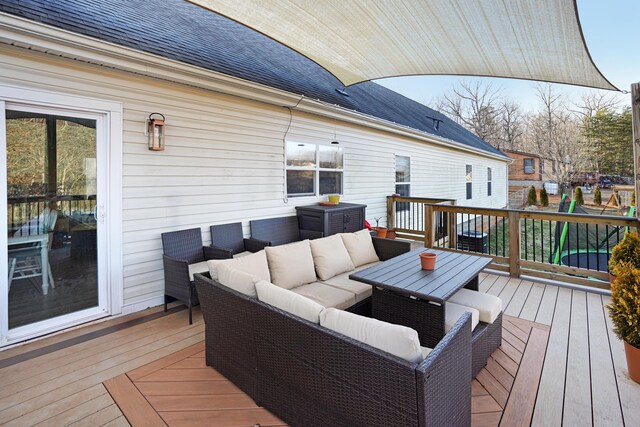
{"x":367,"y":225}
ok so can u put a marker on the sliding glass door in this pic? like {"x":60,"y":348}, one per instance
{"x":53,"y":196}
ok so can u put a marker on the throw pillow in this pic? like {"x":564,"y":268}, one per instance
{"x":360,"y":247}
{"x":330,"y":257}
{"x":237,"y":280}
{"x":291,"y":265}
{"x":395,"y":339}
{"x":288,"y":301}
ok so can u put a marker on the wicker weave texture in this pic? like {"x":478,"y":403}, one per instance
{"x":228,"y":236}
{"x":388,"y":248}
{"x":229,"y":333}
{"x":277,"y":231}
{"x":445,"y":386}
{"x":185,"y":245}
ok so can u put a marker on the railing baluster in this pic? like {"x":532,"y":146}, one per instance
{"x":598,"y":257}
{"x":526,"y":247}
{"x":587,"y":250}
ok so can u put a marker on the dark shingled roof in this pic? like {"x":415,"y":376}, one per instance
{"x":179,"y":30}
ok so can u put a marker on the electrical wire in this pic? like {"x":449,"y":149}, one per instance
{"x":285,"y":199}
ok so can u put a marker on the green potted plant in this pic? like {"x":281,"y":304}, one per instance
{"x":627,"y":251}
{"x":624,"y":311}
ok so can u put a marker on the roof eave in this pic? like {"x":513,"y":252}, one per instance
{"x":45,"y":38}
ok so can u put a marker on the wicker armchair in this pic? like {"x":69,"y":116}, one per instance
{"x":280,"y":231}
{"x":182,"y":249}
{"x":229,"y":238}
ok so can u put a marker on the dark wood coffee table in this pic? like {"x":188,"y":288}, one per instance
{"x":405,"y":294}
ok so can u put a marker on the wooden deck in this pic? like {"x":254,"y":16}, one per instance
{"x":180,"y":390}
{"x":583,"y":381}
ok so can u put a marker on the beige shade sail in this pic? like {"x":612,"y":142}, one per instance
{"x":364,"y":40}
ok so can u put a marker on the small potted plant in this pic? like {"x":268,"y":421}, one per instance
{"x":382,"y":231}
{"x":627,"y":251}
{"x":624,"y":311}
{"x":428,"y":260}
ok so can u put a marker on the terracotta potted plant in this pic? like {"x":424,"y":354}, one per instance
{"x":428,"y":260}
{"x":624,"y":311}
{"x":628,"y":250}
{"x":391,"y":234}
{"x":382,"y":231}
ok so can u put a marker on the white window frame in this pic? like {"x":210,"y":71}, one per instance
{"x":468,"y":181}
{"x":316,"y":168}
{"x":395,"y":169}
{"x":110,"y":266}
{"x":489,"y":182}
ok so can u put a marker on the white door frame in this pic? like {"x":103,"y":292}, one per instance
{"x":108,"y":116}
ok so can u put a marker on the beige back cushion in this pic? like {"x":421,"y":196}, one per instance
{"x":360,"y":247}
{"x":291,"y":265}
{"x":395,"y":339}
{"x":255,"y":264}
{"x":330,"y":257}
{"x":288,"y":301}
{"x":237,"y":280}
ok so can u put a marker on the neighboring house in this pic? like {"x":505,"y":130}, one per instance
{"x":526,"y":170}
{"x":249,"y":126}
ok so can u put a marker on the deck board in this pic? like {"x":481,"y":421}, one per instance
{"x":181,"y":389}
{"x":628,"y":389}
{"x":64,"y":387}
{"x":606,"y":407}
{"x":578,"y":378}
{"x":531,"y":305}
{"x":549,"y":403}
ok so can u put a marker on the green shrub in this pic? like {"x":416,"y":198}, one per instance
{"x":544,"y":197}
{"x":532,"y":198}
{"x":578,"y":197}
{"x":624,"y":309}
{"x":626,"y":252}
{"x":633,"y":198}
{"x":597,"y":196}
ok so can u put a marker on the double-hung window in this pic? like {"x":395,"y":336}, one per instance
{"x":403,"y":180}
{"x":469,"y":182}
{"x":313,"y":170}
{"x":489,"y":181}
{"x":529,"y":165}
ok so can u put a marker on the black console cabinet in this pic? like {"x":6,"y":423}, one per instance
{"x":341,"y":218}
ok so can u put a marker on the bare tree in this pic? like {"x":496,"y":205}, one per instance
{"x":592,"y":102}
{"x":554,"y":133}
{"x":511,"y":126}
{"x":475,"y":106}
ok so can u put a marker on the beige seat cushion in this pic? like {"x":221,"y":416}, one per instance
{"x":198,"y":267}
{"x":363,"y":266}
{"x":360,"y":247}
{"x":326,"y":295}
{"x":489,"y":306}
{"x":255,"y":264}
{"x":395,"y":339}
{"x":455,"y":311}
{"x":241,"y":254}
{"x":425,"y":351}
{"x":342,"y":281}
{"x":288,"y":301}
{"x":237,"y":280}
{"x":330,"y":257}
{"x":291,"y":265}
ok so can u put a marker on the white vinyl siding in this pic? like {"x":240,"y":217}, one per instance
{"x":224,"y":159}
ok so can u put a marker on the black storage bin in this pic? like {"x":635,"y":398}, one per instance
{"x":474,"y":241}
{"x":340,"y":218}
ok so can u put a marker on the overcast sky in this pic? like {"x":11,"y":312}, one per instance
{"x":611,"y":29}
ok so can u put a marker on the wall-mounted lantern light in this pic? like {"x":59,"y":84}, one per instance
{"x":155,"y":132}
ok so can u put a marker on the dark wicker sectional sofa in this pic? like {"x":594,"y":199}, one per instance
{"x":311,"y":376}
